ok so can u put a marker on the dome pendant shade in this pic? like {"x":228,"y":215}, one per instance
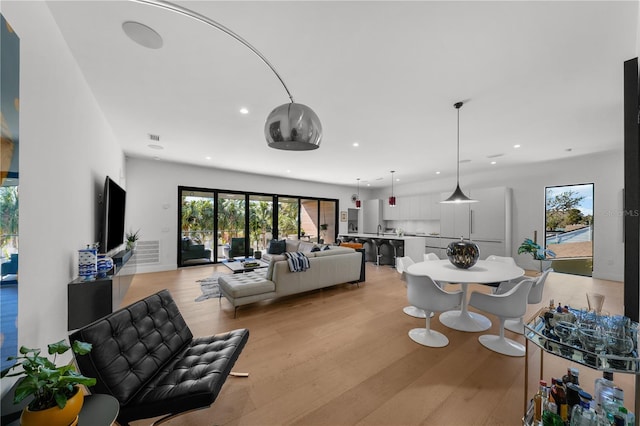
{"x":459,"y":197}
{"x":293,"y":127}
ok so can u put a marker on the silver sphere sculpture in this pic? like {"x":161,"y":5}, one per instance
{"x":293,"y":127}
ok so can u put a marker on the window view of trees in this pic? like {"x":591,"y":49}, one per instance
{"x":288,"y":217}
{"x":569,"y":220}
{"x":8,"y":221}
{"x":198,"y":222}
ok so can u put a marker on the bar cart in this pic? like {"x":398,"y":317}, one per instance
{"x":539,"y":332}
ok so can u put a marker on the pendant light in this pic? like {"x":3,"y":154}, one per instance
{"x":358,"y":202}
{"x":291,"y":126}
{"x":458,"y":196}
{"x":392,"y":199}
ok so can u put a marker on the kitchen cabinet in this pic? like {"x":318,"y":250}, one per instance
{"x":487,"y":222}
{"x":391,"y":213}
{"x":372,"y":215}
{"x":488,"y":217}
{"x":454,"y":218}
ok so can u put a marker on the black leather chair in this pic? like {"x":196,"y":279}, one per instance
{"x":146,"y":357}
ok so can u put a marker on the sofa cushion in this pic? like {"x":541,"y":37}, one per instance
{"x":333,"y":250}
{"x":292,"y":245}
{"x":305,"y":247}
{"x":277,"y":247}
{"x":248,"y":284}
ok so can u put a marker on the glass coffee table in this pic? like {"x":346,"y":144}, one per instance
{"x":240,"y":265}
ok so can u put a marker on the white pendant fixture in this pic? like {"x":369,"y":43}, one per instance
{"x":458,"y":196}
{"x":291,"y":126}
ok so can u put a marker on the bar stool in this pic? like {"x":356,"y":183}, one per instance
{"x":364,"y":241}
{"x":379,"y":242}
{"x":396,"y":244}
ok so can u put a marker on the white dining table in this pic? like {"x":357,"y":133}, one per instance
{"x":483,"y":272}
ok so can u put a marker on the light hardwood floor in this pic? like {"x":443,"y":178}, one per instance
{"x":341,"y":356}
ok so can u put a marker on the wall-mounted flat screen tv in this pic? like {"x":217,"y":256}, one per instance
{"x":113,"y":203}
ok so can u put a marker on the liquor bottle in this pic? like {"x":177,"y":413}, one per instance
{"x":539,"y":401}
{"x":603,"y":386}
{"x":582,"y":414}
{"x":561,"y":400}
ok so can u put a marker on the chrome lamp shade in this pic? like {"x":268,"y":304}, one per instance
{"x":293,"y":127}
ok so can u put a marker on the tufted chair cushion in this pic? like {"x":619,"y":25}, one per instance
{"x":146,"y":357}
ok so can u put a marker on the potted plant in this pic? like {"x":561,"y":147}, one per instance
{"x":537,"y":252}
{"x":132,"y":238}
{"x":57,"y":397}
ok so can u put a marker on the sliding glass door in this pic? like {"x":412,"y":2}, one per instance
{"x":288,"y":218}
{"x":196,"y":228}
{"x":220,"y":224}
{"x":260,"y":221}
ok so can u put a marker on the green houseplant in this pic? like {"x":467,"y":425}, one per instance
{"x":536,"y":251}
{"x":132,"y":238}
{"x":52,"y":386}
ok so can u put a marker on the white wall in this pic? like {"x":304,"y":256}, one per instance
{"x":605,"y":170}
{"x":152,"y":198}
{"x":66,"y":150}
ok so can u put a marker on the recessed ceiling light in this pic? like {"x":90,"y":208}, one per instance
{"x":143,"y":35}
{"x":368,"y":184}
{"x":244,"y":111}
{"x":493,"y":162}
{"x":288,"y":171}
{"x":154,"y":146}
{"x":207,"y":158}
{"x":437,"y":173}
{"x":356,"y":144}
{"x":516,"y":146}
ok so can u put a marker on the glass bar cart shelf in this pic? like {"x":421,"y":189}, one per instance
{"x":539,"y":331}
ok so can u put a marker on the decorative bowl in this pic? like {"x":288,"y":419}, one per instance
{"x":463,"y":254}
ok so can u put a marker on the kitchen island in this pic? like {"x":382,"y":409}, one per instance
{"x":412,"y":246}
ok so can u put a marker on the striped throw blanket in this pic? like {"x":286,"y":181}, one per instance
{"x":297,"y":261}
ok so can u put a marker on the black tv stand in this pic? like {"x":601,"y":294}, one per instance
{"x":92,"y":300}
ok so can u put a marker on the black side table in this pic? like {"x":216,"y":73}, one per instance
{"x":97,"y":410}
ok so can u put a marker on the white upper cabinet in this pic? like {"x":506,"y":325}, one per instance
{"x":454,"y":219}
{"x":489,"y":214}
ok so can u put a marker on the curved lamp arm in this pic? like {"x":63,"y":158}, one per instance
{"x":205,"y":20}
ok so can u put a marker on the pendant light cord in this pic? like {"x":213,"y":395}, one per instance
{"x":199,"y":17}
{"x":458,"y":105}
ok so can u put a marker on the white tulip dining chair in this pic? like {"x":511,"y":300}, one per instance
{"x":512,"y":304}
{"x":402,"y":263}
{"x":535,"y":297}
{"x":424,"y":293}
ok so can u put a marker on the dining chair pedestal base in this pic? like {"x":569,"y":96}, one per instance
{"x":516,"y":326}
{"x":412,"y":311}
{"x":429,"y":338}
{"x":502,"y":345}
{"x":465,"y":321}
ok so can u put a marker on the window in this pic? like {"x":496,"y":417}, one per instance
{"x":217,"y":224}
{"x":569,"y":224}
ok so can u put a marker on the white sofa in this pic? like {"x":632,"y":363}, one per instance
{"x":329,"y":266}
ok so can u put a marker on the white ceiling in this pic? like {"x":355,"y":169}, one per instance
{"x":385,"y":74}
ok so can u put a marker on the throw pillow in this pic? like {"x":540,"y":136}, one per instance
{"x":305,"y":247}
{"x":315,"y":248}
{"x":327,"y":247}
{"x":277,"y":247}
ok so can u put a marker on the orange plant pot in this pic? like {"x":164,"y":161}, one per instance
{"x":55,"y":416}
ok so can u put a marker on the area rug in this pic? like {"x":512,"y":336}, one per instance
{"x":209,"y":287}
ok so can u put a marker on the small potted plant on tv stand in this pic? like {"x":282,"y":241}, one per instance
{"x":132,"y":239}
